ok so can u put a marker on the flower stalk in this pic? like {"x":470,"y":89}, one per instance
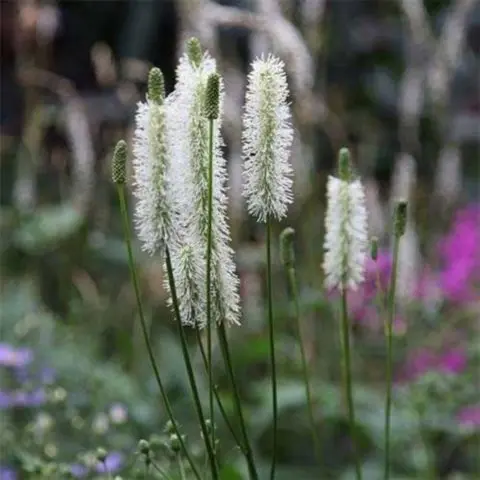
{"x":400,"y":221}
{"x":119,"y":176}
{"x":267,"y":139}
{"x":345,"y":246}
{"x":288,"y":260}
{"x":222,"y":337}
{"x":271,"y":338}
{"x":212,"y":97}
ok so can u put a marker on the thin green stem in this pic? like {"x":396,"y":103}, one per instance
{"x":222,"y":336}
{"x":347,"y":379}
{"x":430,"y":473}
{"x":143,"y":323}
{"x":217,"y":398}
{"x":389,"y":338}
{"x":272,"y":348}
{"x":292,"y":279}
{"x":180,"y":468}
{"x":158,"y":469}
{"x":188,"y":364}
{"x":209,"y":277}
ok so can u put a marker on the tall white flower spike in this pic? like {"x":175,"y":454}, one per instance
{"x":152,"y":182}
{"x":267,"y":141}
{"x":188,"y":126}
{"x":346,"y":238}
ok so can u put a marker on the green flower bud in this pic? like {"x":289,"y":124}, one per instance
{"x":374,"y":248}
{"x":144,"y":447}
{"x":344,"y":164}
{"x":400,"y":218}
{"x":287,"y":252}
{"x":156,"y":86}
{"x":169,"y":427}
{"x":194,"y":51}
{"x":174,"y":443}
{"x":212,"y":97}
{"x":119,"y":162}
{"x":101,"y":454}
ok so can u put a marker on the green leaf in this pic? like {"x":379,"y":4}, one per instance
{"x":48,"y":228}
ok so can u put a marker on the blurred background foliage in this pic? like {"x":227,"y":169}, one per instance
{"x":396,"y":81}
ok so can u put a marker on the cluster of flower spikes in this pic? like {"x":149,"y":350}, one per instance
{"x":171,"y":166}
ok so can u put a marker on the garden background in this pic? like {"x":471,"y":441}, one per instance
{"x":394,"y":80}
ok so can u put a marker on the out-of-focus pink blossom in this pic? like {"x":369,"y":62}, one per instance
{"x":453,"y":361}
{"x":469,"y":416}
{"x":460,"y":256}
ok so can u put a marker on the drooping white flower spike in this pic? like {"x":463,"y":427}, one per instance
{"x":152,"y":182}
{"x":346,"y":238}
{"x":189,"y":127}
{"x":267,"y":140}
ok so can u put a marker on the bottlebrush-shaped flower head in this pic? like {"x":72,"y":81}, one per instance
{"x":267,"y":140}
{"x":152,"y":182}
{"x":190,"y":149}
{"x":346,"y":237}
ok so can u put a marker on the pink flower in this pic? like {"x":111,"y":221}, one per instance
{"x":469,"y":416}
{"x":453,"y":361}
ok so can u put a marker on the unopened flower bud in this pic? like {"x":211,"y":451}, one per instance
{"x":169,"y":427}
{"x":212,"y":96}
{"x":101,"y":454}
{"x":287,"y":252}
{"x":400,"y":218}
{"x":156,"y":86}
{"x":175,"y":443}
{"x":194,"y":51}
{"x":144,"y":447}
{"x":344,"y":164}
{"x":119,"y":162}
{"x":374,"y":248}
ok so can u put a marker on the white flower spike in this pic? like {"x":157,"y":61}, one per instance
{"x":267,"y":140}
{"x":153,"y":212}
{"x":189,"y":142}
{"x":346,"y":238}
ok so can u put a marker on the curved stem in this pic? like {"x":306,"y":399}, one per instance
{"x":143,"y":323}
{"x":294,"y":289}
{"x":238,"y":405}
{"x":272,"y":348}
{"x":389,"y":337}
{"x":217,"y":398}
{"x":209,"y":277}
{"x":347,"y":379}
{"x":188,"y":364}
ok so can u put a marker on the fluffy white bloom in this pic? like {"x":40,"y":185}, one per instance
{"x":188,"y":133}
{"x":188,"y":272}
{"x":346,"y":238}
{"x":267,"y":140}
{"x":152,"y":190}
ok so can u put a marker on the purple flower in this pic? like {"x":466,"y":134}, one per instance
{"x":6,"y":400}
{"x":453,"y":361}
{"x":30,"y":399}
{"x":14,"y":357}
{"x":469,"y":416}
{"x":78,"y":470}
{"x":7,"y":473}
{"x":34,"y":398}
{"x":112,"y":463}
{"x":460,"y":256}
